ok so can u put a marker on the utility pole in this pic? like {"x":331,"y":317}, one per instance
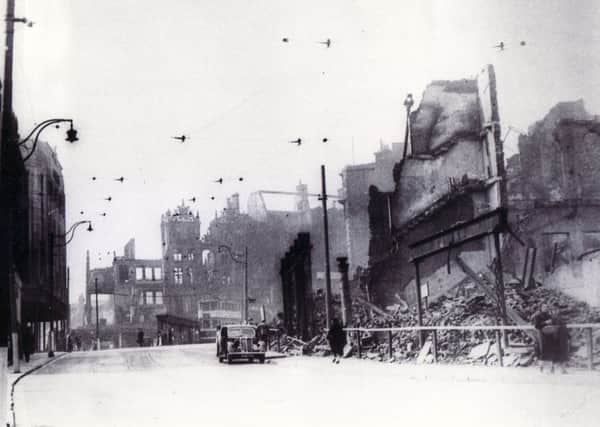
{"x":7,"y":137}
{"x":97,"y":318}
{"x":51,"y":297}
{"x":327,"y":267}
{"x":245,"y":296}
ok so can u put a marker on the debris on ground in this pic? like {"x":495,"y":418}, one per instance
{"x":461,"y":308}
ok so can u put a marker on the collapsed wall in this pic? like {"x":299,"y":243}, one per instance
{"x":555,"y":198}
{"x":446,"y":145}
{"x":452,"y":174}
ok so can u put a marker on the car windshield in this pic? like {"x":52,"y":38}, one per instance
{"x":240,"y":331}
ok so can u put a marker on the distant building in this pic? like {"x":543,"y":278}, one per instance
{"x":185,"y":273}
{"x":131,"y":295}
{"x":356,"y":181}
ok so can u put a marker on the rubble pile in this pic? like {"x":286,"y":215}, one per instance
{"x":461,"y":346}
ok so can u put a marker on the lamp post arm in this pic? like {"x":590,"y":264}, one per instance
{"x":71,"y":231}
{"x":41,"y":126}
{"x":37,"y":131}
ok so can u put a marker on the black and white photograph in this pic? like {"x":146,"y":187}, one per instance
{"x":322,"y":213}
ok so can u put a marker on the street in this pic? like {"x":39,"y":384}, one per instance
{"x":185,"y":386}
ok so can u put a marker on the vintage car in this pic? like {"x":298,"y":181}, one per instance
{"x":239,"y":342}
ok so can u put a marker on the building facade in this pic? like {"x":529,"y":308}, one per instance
{"x":130,"y":296}
{"x":44,"y":286}
{"x":356,"y":182}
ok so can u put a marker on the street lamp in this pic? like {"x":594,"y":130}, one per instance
{"x":408,"y":103}
{"x":67,"y":237}
{"x":240,"y":259}
{"x":71,"y":133}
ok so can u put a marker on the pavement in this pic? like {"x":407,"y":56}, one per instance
{"x":36,"y":361}
{"x":186,"y":386}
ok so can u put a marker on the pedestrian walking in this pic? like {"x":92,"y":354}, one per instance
{"x":337,"y":340}
{"x":69,"y":343}
{"x":553,"y":338}
{"x":28,"y":342}
{"x":140,"y":338}
{"x":77,"y":343}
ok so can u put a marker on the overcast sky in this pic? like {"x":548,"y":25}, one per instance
{"x":134,"y":73}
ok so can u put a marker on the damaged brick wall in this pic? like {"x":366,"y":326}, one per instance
{"x":554,"y":198}
{"x":451,"y":175}
{"x":446,"y":141}
{"x":548,"y":154}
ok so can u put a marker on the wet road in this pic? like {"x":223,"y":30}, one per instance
{"x":186,"y":386}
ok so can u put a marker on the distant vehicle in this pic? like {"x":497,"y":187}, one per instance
{"x":239,"y":342}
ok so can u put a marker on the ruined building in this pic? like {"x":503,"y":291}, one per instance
{"x":356,"y":182}
{"x":453,"y":173}
{"x":554,"y":198}
{"x":130,"y":296}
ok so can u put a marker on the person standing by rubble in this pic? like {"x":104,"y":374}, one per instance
{"x":553,"y":338}
{"x":337,"y":340}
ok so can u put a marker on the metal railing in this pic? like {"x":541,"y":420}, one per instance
{"x":588,"y":327}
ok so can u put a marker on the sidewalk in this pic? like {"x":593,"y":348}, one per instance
{"x":36,"y":361}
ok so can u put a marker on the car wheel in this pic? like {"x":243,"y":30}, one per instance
{"x":261,"y":360}
{"x":220,"y":360}
{"x":229,"y":359}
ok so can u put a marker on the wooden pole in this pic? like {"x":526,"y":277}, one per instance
{"x":346,"y":297}
{"x":419,"y":309}
{"x":327,"y":266}
{"x":434,"y":346}
{"x":390,"y":351}
{"x":590,"y":346}
{"x":499,"y":348}
{"x":97,"y":316}
{"x":500,"y":285}
{"x":359,"y":344}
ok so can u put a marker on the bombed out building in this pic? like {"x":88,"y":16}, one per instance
{"x":554,"y":198}
{"x":452,"y":173}
{"x":356,"y":182}
{"x":130,"y":296}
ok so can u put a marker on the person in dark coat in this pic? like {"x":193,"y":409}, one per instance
{"x":140,"y":338}
{"x":28,"y":342}
{"x":69,"y":343}
{"x":337,"y":340}
{"x":553,"y":338}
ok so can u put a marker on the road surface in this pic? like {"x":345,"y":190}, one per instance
{"x":186,"y":386}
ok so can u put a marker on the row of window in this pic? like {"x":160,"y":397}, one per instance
{"x":148,"y":273}
{"x":177,"y":256}
{"x":219,"y":305}
{"x":151,"y":298}
{"x":178,"y":275}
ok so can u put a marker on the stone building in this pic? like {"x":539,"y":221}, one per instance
{"x":44,"y":286}
{"x":356,"y":182}
{"x":185,"y":271}
{"x":554,"y":199}
{"x":131,"y":295}
{"x":453,"y":173}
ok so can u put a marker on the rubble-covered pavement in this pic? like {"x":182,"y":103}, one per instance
{"x":464,"y":307}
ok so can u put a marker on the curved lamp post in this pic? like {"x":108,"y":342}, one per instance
{"x":408,"y":103}
{"x":71,"y":133}
{"x":240,"y":259}
{"x":67,"y":237}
